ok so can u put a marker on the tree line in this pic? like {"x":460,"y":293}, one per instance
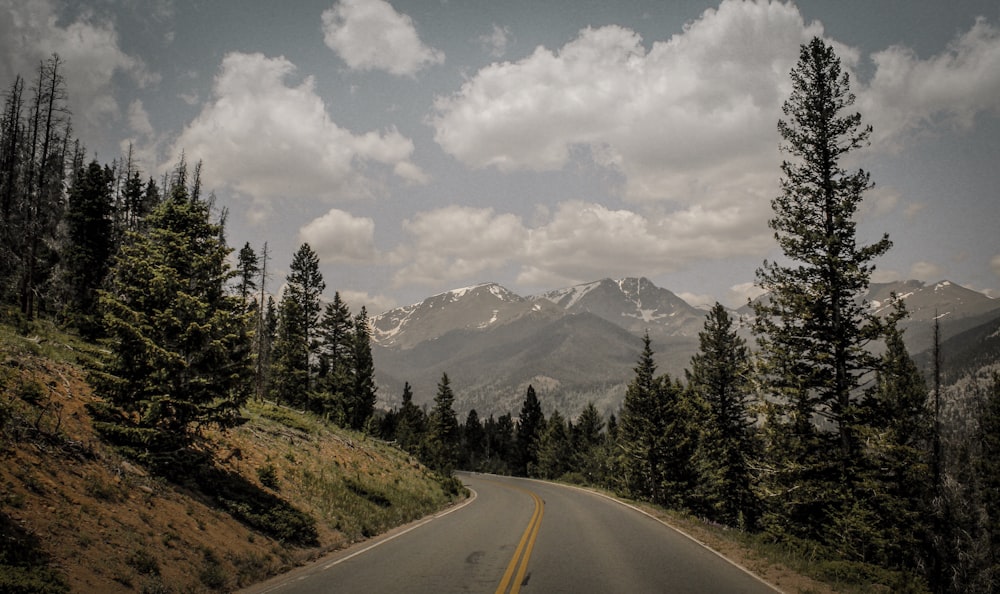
{"x":821,"y":435}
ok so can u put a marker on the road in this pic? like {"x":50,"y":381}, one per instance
{"x":519,"y":535}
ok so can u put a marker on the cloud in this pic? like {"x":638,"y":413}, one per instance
{"x":926,"y":271}
{"x":267,"y":140}
{"x":740,"y":293}
{"x":578,"y":242}
{"x":31,"y":31}
{"x":583,"y":241}
{"x":457,"y":242}
{"x":907,"y":95}
{"x":689,"y":120}
{"x":371,"y":35}
{"x":375,"y":304}
{"x":495,"y":43}
{"x":339,"y":236}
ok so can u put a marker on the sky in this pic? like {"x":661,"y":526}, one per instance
{"x":424,"y":145}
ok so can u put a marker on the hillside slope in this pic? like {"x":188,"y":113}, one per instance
{"x":285,"y":487}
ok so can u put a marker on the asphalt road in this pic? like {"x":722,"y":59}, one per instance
{"x":518,"y":535}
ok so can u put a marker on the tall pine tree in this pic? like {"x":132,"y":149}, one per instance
{"x":814,"y":327}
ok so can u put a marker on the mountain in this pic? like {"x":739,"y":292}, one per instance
{"x":955,"y":307}
{"x":635,"y":304}
{"x":573,"y":345}
{"x":580,"y":343}
{"x":472,"y":308}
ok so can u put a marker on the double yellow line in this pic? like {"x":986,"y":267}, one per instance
{"x":519,"y":564}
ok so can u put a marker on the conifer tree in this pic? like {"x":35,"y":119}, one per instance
{"x":530,"y":424}
{"x":589,"y":457}
{"x":247,"y":269}
{"x":411,"y":424}
{"x":814,"y":327}
{"x":88,"y":246}
{"x":335,"y":358}
{"x":363,"y":390}
{"x":298,"y":315}
{"x":638,"y":430}
{"x":473,"y":441}
{"x":554,"y":449}
{"x":720,"y":377}
{"x":887,"y":524}
{"x":179,"y":352}
{"x":442,"y":440}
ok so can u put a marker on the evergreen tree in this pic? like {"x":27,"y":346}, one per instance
{"x":442,"y":439}
{"x":887,"y":524}
{"x":814,"y":327}
{"x":411,"y":423}
{"x":179,"y":353}
{"x":554,"y":449}
{"x":720,"y":377}
{"x":363,"y":390}
{"x":988,"y":470}
{"x":589,"y":455}
{"x":638,"y":431}
{"x":473,"y":441}
{"x":247,"y":269}
{"x":298,"y":315}
{"x":88,"y":246}
{"x":500,"y":444}
{"x":335,"y":358}
{"x":530,"y":424}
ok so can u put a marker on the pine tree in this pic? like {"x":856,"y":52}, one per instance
{"x":247,"y":269}
{"x":720,"y":377}
{"x":887,"y":524}
{"x":638,"y":431}
{"x":179,"y":352}
{"x":411,"y":424}
{"x":530,"y":424}
{"x":589,"y":455}
{"x":335,"y":359}
{"x":988,"y":470}
{"x":442,"y":439}
{"x":554,"y":449}
{"x":298,"y":314}
{"x":363,"y":390}
{"x":814,"y":327}
{"x":88,"y":246}
{"x":473,"y":441}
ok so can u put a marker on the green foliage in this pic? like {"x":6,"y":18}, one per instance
{"x":530,"y":424}
{"x":720,"y":376}
{"x":442,"y":438}
{"x":814,"y":328}
{"x":179,"y":350}
{"x":268,"y":476}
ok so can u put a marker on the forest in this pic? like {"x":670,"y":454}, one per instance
{"x":822,"y":435}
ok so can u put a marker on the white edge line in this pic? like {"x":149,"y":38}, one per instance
{"x":281,"y":584}
{"x":402,"y":532}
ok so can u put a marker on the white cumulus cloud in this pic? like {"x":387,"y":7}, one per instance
{"x":269,"y":140}
{"x":908,"y":94}
{"x":371,"y":35}
{"x":339,"y":236}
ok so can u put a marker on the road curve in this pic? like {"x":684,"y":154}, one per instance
{"x":519,"y":535}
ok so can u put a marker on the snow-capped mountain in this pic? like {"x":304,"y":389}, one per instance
{"x":635,"y":304}
{"x":580,"y":343}
{"x":471,"y":308}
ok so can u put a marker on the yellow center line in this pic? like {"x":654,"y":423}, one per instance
{"x":519,"y":563}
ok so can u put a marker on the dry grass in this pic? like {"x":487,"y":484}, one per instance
{"x":106,"y":525}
